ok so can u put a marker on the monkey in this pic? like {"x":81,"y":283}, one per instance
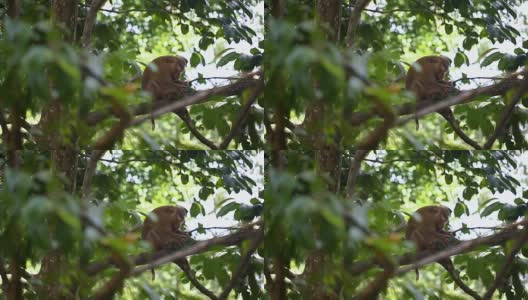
{"x":429,"y":83}
{"x":162,"y":229}
{"x":164,"y":80}
{"x":426,"y":79}
{"x":426,"y":229}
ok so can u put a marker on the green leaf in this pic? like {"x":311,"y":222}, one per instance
{"x":231,"y":56}
{"x":459,"y":209}
{"x":231,"y":206}
{"x":491,"y":58}
{"x":195,"y":209}
{"x":491,"y":208}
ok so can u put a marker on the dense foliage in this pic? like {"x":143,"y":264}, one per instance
{"x":39,"y":215}
{"x":316,"y":56}
{"x":90,"y":69}
{"x":480,"y":187}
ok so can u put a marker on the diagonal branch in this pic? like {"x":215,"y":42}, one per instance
{"x":501,"y":125}
{"x":464,"y":247}
{"x":235,"y":128}
{"x":506,"y":268}
{"x":145,"y":108}
{"x":427,"y":257}
{"x":165,"y":256}
{"x":242,"y":267}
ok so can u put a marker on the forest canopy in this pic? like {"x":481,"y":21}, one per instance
{"x":344,"y":232}
{"x":338,"y":74}
{"x":81,"y":236}
{"x":71,"y":74}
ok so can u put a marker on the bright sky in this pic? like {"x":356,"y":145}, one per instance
{"x":210,"y":69}
{"x":474,"y":69}
{"x":474,"y":219}
{"x":210,"y":220}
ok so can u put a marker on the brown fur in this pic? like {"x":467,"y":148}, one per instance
{"x":426,"y":79}
{"x":164,"y":79}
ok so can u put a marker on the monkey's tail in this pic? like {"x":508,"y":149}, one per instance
{"x":448,"y":266}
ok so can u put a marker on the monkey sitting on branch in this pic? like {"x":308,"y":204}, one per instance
{"x":162,"y":229}
{"x":426,"y":78}
{"x":426,"y":229}
{"x":161,"y":78}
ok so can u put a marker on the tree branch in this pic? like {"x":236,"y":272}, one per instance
{"x":241,"y":270}
{"x":355,"y":16}
{"x":166,"y":256}
{"x":145,"y":108}
{"x":506,"y":115}
{"x":108,"y":290}
{"x":426,"y":257}
{"x":235,"y":128}
{"x":506,"y":268}
{"x":90,"y":21}
{"x":194,"y":131}
{"x":464,"y":247}
{"x":456,"y":128}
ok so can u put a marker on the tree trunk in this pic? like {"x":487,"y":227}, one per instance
{"x":63,"y":156}
{"x":327,"y":155}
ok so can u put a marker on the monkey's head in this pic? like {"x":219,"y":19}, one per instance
{"x":442,"y":214}
{"x":167,"y":67}
{"x":433,"y":214}
{"x":172,"y":215}
{"x":176,"y":65}
{"x":446,"y":62}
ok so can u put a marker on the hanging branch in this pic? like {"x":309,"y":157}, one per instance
{"x":242,"y":267}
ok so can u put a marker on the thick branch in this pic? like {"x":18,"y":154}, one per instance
{"x":427,"y":257}
{"x":468,"y":96}
{"x":108,"y":290}
{"x":355,"y":16}
{"x":467,"y":246}
{"x":200,"y":97}
{"x":166,"y":256}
